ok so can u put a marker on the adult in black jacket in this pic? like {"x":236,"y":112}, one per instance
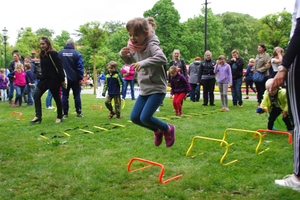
{"x":207,"y":78}
{"x":237,"y":64}
{"x":178,"y":62}
{"x":52,"y":78}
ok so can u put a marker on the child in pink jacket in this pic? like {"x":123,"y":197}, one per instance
{"x":128,"y":77}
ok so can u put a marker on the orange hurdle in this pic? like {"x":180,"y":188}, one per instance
{"x":272,"y":131}
{"x":20,"y":114}
{"x":96,"y":106}
{"x":153,"y":163}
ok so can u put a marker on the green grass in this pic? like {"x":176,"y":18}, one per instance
{"x":94,"y":166}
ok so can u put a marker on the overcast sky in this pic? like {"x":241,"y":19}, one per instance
{"x":68,"y":15}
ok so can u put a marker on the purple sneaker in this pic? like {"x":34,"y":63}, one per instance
{"x":170,"y":135}
{"x":158,"y":136}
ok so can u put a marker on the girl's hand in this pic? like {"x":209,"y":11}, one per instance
{"x":125,"y":51}
{"x":14,"y":76}
{"x":230,"y":85}
{"x":136,"y":66}
{"x":171,"y":96}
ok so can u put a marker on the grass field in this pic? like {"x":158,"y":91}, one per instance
{"x":94,"y":165}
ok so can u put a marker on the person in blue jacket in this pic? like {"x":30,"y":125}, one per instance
{"x":73,"y":65}
{"x":249,"y":77}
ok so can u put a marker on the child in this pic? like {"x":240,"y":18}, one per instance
{"x":144,"y":53}
{"x":20,"y":80}
{"x":249,"y":77}
{"x":180,"y":87}
{"x":128,"y":72}
{"x":113,"y":83}
{"x":275,"y":61}
{"x":224,"y":80}
{"x":275,"y":103}
{"x":30,"y":85}
{"x":3,"y":85}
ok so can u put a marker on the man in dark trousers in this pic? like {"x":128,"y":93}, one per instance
{"x":237,"y":65}
{"x":73,"y":65}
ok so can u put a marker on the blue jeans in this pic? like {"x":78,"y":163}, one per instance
{"x":11,"y":90}
{"x":49,"y":99}
{"x":76,"y":95}
{"x":143,"y":110}
{"x":131,"y":82}
{"x":236,"y":91}
{"x":19,"y":93}
{"x":30,"y":89}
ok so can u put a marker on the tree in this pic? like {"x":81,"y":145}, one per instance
{"x":118,"y":40}
{"x":168,"y":26}
{"x":61,"y":40}
{"x":94,"y":37}
{"x":276,"y":29}
{"x":113,"y":26}
{"x":27,"y":42}
{"x":45,"y":32}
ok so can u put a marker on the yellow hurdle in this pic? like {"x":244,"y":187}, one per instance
{"x":216,"y":140}
{"x":246,"y":131}
{"x":104,"y":129}
{"x":118,"y":125}
{"x":86,"y":131}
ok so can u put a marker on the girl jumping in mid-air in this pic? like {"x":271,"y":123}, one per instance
{"x":145,"y":54}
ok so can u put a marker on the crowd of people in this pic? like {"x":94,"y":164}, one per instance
{"x":144,"y":57}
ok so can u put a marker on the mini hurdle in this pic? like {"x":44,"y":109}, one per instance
{"x":14,"y":112}
{"x":100,"y":107}
{"x":216,"y":140}
{"x":273,"y":131}
{"x":153,"y":163}
{"x":246,"y":131}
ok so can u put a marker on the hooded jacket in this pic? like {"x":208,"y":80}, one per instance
{"x":194,"y":71}
{"x":151,"y":77}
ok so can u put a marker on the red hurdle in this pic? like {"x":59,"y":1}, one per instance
{"x":272,"y":131}
{"x":14,"y":112}
{"x":100,"y":107}
{"x":153,"y":163}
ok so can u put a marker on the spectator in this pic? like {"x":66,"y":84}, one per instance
{"x":260,"y":65}
{"x":193,"y":79}
{"x":207,"y":78}
{"x":73,"y":65}
{"x":249,"y":77}
{"x":236,"y":63}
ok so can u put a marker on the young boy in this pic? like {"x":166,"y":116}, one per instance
{"x":275,"y":103}
{"x":30,"y":85}
{"x":113,"y":83}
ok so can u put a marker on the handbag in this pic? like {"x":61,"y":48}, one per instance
{"x":66,"y":80}
{"x":258,"y":76}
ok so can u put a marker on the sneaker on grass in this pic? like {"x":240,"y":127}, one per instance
{"x":289,"y":181}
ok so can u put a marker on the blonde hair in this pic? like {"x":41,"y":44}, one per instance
{"x":251,"y":60}
{"x":141,"y":25}
{"x":19,"y":68}
{"x":269,"y":82}
{"x":112,"y":64}
{"x":2,"y":71}
{"x":208,"y":52}
{"x":178,"y":53}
